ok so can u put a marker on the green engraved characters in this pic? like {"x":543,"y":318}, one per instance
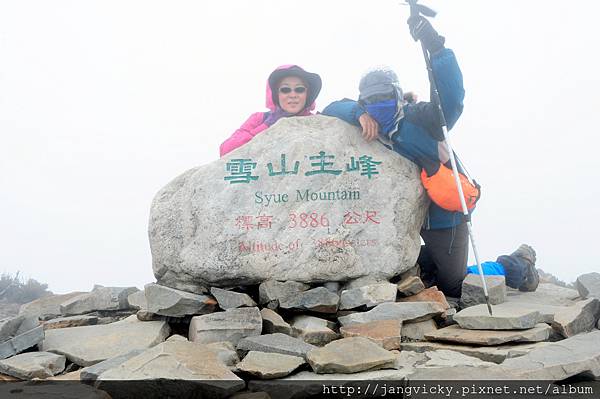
{"x":322,"y":164}
{"x":366,"y":165}
{"x":283,"y":170}
{"x":241,"y":171}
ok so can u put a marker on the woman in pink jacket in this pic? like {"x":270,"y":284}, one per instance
{"x":291,"y":91}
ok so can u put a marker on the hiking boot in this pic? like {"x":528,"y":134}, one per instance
{"x":531,"y":278}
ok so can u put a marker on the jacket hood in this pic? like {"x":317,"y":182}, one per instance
{"x":312,"y":80}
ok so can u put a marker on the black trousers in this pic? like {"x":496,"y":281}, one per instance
{"x":443,"y":258}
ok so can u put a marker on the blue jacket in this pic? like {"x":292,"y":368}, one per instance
{"x":420,"y":137}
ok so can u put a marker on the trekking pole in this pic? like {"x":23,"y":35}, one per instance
{"x":417,"y":10}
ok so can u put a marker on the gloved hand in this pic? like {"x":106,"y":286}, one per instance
{"x":275,"y":116}
{"x":421,"y":29}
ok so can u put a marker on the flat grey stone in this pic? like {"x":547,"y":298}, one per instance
{"x":545,"y":294}
{"x":71,"y":321}
{"x":404,"y":311}
{"x":411,"y":285}
{"x":349,"y":355}
{"x":578,"y":318}
{"x":547,"y":312}
{"x":230,"y":325}
{"x":454,"y":333}
{"x":185,"y":362}
{"x":266,"y":365}
{"x":503,"y":318}
{"x":368,"y":295}
{"x":216,"y":251}
{"x":271,"y":291}
{"x":167,"y":301}
{"x":225,"y":352}
{"x":231,"y":299}
{"x":588,"y":285}
{"x":472,"y":290}
{"x":89,"y":345}
{"x":100,"y":298}
{"x":27,"y":366}
{"x":19,"y":333}
{"x":318,"y":299}
{"x":314,"y":330}
{"x":274,"y":323}
{"x":415,"y":331}
{"x":449,"y":358}
{"x":137,"y":300}
{"x":560,"y":360}
{"x":275,"y":343}
{"x":47,"y":307}
{"x":91,"y":373}
{"x":385,"y":333}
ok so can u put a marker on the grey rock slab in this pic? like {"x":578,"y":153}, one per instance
{"x":404,"y":311}
{"x":137,"y":300}
{"x":266,"y":365}
{"x":91,"y":373}
{"x":495,"y":354}
{"x":578,"y":318}
{"x":411,"y":285}
{"x":472,"y":290}
{"x":14,"y":326}
{"x":318,"y":299}
{"x":166,"y":301}
{"x":560,"y":360}
{"x":460,"y":373}
{"x":89,"y":345}
{"x":27,"y":366}
{"x":47,"y":307}
{"x":547,"y":312}
{"x":545,"y":294}
{"x":275,"y":343}
{"x":194,"y":237}
{"x":456,"y":334}
{"x":314,"y":330}
{"x":271,"y":291}
{"x":225,"y":352}
{"x":100,"y":298}
{"x":415,"y":331}
{"x":349,"y":355}
{"x":21,"y":342}
{"x":503,"y":318}
{"x":185,"y":362}
{"x":385,"y":333}
{"x":588,"y":285}
{"x":230,"y":325}
{"x":274,"y":323}
{"x":449,"y":358}
{"x":231,"y":299}
{"x":71,"y":321}
{"x":369,"y":295}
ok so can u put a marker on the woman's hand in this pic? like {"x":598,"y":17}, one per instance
{"x":370,"y":127}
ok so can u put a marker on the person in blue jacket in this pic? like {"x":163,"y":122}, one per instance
{"x":414,"y":131}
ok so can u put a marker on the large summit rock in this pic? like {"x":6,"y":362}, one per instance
{"x":307,"y":200}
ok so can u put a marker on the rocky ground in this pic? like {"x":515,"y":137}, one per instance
{"x":283,"y":339}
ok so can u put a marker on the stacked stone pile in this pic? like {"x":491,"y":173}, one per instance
{"x":279,"y":334}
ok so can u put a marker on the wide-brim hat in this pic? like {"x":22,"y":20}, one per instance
{"x":312,"y":80}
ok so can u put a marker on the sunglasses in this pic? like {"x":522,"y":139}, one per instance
{"x":288,"y":90}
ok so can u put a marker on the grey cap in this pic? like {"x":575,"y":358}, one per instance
{"x":379,"y":82}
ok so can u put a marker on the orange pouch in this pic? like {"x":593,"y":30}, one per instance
{"x":441,"y":188}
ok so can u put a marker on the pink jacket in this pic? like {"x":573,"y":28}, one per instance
{"x":255,"y":125}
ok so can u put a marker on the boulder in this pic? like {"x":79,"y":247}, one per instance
{"x":349,"y":355}
{"x":402,"y":311}
{"x":472,"y":290}
{"x":312,"y":200}
{"x":19,"y":333}
{"x":314,"y":330}
{"x":318,"y":299}
{"x":266,"y":365}
{"x":368,"y":295}
{"x":89,"y":345}
{"x":137,"y":300}
{"x":47,"y":307}
{"x":100,"y":298}
{"x":231,"y":299}
{"x":27,"y":366}
{"x":275,"y":343}
{"x":454,"y":333}
{"x":578,"y":318}
{"x":230,"y":325}
{"x":588,"y":285}
{"x":271,"y":291}
{"x":503,"y":318}
{"x":411,"y":285}
{"x":385,"y":333}
{"x":274,"y":323}
{"x":167,"y":301}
